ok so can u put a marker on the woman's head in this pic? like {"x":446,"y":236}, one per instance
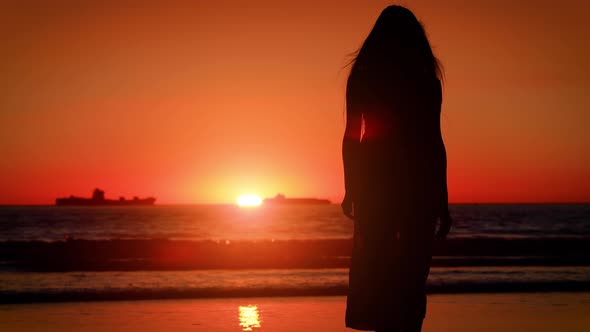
{"x":397,"y":44}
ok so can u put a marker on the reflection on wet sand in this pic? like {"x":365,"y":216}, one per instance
{"x":249,"y":317}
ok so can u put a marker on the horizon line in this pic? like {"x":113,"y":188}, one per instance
{"x":331,"y":203}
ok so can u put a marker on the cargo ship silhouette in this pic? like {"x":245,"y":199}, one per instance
{"x":98,"y":199}
{"x":280,"y":199}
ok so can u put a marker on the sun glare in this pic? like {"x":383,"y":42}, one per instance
{"x":249,"y":200}
{"x":249,"y":317}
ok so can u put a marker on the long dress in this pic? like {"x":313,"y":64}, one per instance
{"x":398,"y":168}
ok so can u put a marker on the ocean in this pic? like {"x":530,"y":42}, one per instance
{"x":51,"y":253}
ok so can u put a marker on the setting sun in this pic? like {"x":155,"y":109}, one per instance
{"x":249,"y":200}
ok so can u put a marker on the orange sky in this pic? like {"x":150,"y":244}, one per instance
{"x":200,"y":103}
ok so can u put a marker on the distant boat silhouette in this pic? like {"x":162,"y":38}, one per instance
{"x":281,"y":199}
{"x":98,"y":199}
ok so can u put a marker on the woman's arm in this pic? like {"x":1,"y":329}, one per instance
{"x":350,"y":156}
{"x":444,"y":214}
{"x":444,"y":197}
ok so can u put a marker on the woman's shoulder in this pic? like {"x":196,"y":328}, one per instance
{"x":438,"y":89}
{"x":432,"y":86}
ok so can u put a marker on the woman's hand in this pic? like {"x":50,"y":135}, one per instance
{"x":445,"y":226}
{"x":347,"y":206}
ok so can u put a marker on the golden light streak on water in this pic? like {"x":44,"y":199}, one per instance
{"x":249,"y":317}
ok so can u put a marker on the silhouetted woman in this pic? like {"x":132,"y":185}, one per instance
{"x":395,"y":173}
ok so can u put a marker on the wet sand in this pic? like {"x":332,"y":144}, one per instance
{"x":461,"y":312}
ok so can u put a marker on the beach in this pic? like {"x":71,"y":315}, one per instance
{"x":521,"y":312}
{"x":505,"y":267}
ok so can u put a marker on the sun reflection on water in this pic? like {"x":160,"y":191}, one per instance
{"x":249,"y":317}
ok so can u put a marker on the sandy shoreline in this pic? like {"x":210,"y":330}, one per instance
{"x":459,"y":312}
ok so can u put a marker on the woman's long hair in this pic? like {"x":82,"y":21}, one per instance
{"x":398,"y":47}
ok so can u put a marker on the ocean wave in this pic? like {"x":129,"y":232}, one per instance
{"x":163,"y":254}
{"x":20,"y":287}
